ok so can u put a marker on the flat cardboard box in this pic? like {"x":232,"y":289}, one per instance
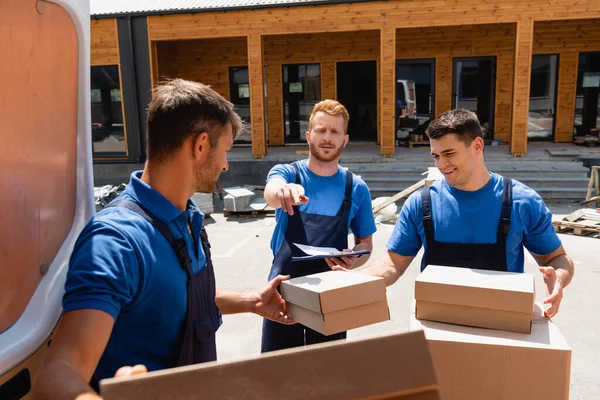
{"x":342,"y":320}
{"x":478,"y":298}
{"x":333,"y":291}
{"x":474,"y":363}
{"x":396,"y":366}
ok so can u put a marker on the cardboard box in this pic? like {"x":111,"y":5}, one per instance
{"x":342,"y":320}
{"x":478,"y":298}
{"x":474,"y":363}
{"x":335,"y":301}
{"x":394,"y":366}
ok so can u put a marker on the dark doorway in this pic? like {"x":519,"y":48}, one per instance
{"x":474,"y":88}
{"x":357,"y":91}
{"x":587,"y":104}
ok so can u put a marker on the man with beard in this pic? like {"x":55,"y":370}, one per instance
{"x":140,"y":289}
{"x":317,"y":201}
{"x":474,"y":218}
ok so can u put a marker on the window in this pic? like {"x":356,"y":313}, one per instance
{"x":239,"y":91}
{"x":301,"y":91}
{"x":108,"y":127}
{"x":587,"y":102}
{"x":542,"y":96}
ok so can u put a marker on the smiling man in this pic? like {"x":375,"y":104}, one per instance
{"x":317,"y":201}
{"x":474,"y":218}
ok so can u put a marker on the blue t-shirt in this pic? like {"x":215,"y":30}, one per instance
{"x":325,"y":196}
{"x":125,"y":267}
{"x":472,"y":218}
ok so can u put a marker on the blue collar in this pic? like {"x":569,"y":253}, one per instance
{"x":155,"y":202}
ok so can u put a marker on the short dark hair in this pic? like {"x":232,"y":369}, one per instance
{"x":461,"y":122}
{"x":180,"y":109}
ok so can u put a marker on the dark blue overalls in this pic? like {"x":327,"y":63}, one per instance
{"x":313,"y":230}
{"x":203,"y":317}
{"x":480,"y":256}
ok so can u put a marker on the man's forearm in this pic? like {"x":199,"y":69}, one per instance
{"x":58,"y":381}
{"x":230,"y":302}
{"x":389,"y":266}
{"x":564,"y":268}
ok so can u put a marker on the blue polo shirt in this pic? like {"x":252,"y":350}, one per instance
{"x":472,"y":218}
{"x":125,"y":267}
{"x":325,"y":196}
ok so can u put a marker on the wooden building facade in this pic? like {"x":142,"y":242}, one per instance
{"x":530,"y":69}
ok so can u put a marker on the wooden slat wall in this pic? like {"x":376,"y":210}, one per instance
{"x":522,"y":83}
{"x":104,"y":42}
{"x":257,"y":111}
{"x":387,"y":88}
{"x":445,"y":43}
{"x":364,"y":16}
{"x":206,"y":60}
{"x":566,"y":38}
{"x":324,"y":48}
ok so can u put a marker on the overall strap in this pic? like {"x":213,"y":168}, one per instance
{"x":297,"y":169}
{"x":178,"y":245}
{"x":504,"y":224}
{"x":426,"y":210}
{"x":348,"y":192}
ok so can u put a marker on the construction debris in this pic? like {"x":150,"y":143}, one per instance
{"x":593,"y":184}
{"x":105,"y":194}
{"x":433,"y":174}
{"x":242,"y":201}
{"x":583,"y":222}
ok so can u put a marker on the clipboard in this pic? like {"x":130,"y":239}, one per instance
{"x":319,"y":253}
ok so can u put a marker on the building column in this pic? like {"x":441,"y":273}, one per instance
{"x":257,"y":111}
{"x":521,"y":86}
{"x":443,"y":84}
{"x":328,"y":80}
{"x":387,"y":91}
{"x":567,"y":92}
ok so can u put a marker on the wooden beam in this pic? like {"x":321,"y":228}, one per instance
{"x":567,"y":91}
{"x":522,"y":81}
{"x":387,"y":90}
{"x":443,"y":84}
{"x":328,"y":80}
{"x":257,"y":113}
{"x":399,"y":196}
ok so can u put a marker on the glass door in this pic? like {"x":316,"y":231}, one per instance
{"x":239,"y":92}
{"x":587,"y":104}
{"x":415,"y":96}
{"x":542,"y":97}
{"x":301,"y":91}
{"x":474,"y":89}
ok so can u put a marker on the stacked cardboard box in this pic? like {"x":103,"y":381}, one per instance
{"x":394,"y":366}
{"x":335,"y":301}
{"x":524,"y":357}
{"x":486,"y":299}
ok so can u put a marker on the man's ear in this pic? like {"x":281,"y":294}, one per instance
{"x":478,"y":144}
{"x":307,"y":135}
{"x":346,"y":140}
{"x":201,"y":147}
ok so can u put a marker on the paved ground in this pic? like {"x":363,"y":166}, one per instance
{"x":242,"y":259}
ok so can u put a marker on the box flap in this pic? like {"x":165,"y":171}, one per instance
{"x":476,"y":288}
{"x":333,"y":290}
{"x":378,"y":367}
